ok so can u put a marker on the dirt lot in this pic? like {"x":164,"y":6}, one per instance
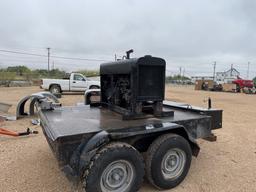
{"x":27,"y":164}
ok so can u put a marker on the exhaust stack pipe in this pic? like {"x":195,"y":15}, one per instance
{"x":128,"y":53}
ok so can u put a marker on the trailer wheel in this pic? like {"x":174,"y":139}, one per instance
{"x":117,"y":167}
{"x":168,"y":161}
{"x":55,"y":89}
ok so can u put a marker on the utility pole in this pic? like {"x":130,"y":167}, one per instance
{"x":214,"y":68}
{"x":115,"y":57}
{"x":231,"y":70}
{"x":183,"y":74}
{"x":52,"y":65}
{"x":180,"y":71}
{"x":248,"y":68}
{"x":48,"y":49}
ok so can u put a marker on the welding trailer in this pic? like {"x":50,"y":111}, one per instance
{"x":110,"y":145}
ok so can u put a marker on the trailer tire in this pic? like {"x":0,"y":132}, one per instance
{"x":55,"y":89}
{"x":117,"y":167}
{"x":168,"y":161}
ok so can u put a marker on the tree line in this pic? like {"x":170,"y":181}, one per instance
{"x":24,"y":73}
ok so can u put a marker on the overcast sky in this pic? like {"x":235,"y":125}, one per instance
{"x":188,"y":34}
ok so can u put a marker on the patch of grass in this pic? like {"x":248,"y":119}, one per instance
{"x":7,"y":76}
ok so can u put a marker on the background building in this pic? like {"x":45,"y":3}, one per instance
{"x":227,"y":76}
{"x":194,"y":78}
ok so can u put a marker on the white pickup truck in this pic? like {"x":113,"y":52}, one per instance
{"x":75,"y":82}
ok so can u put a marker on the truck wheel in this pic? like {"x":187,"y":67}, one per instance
{"x":238,"y":89}
{"x":55,"y":89}
{"x":117,"y":167}
{"x":94,"y":87}
{"x":168,"y":161}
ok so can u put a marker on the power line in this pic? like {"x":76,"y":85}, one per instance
{"x":22,"y":53}
{"x":32,"y":61}
{"x":74,"y":58}
{"x":54,"y":56}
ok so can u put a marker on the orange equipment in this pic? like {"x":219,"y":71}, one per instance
{"x":15,"y":134}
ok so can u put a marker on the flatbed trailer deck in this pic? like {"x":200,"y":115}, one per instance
{"x":78,"y":120}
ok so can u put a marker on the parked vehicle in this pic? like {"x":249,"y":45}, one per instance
{"x":101,"y":144}
{"x":242,"y":83}
{"x":75,"y":82}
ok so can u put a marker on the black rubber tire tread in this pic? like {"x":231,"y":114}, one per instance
{"x":90,"y":174}
{"x":158,"y":182}
{"x":57,"y":86}
{"x":94,"y":87}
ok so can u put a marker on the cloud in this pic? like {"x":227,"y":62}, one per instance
{"x":190,"y":34}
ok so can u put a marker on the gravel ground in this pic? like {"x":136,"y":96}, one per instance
{"x":27,"y":163}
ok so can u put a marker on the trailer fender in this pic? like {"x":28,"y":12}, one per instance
{"x":154,"y":130}
{"x":183,"y":131}
{"x":89,"y":93}
{"x":96,"y":141}
{"x":46,"y":94}
{"x":86,"y":151}
{"x":188,"y":135}
{"x":20,"y":110}
{"x":192,"y":141}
